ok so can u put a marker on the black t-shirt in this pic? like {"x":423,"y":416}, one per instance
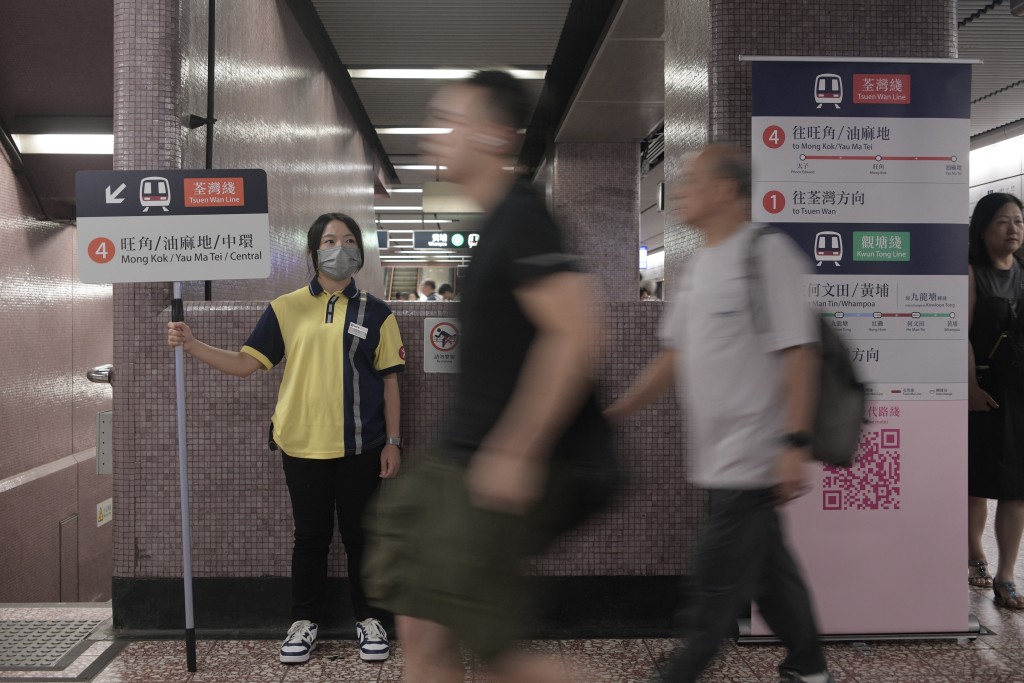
{"x":519,"y":244}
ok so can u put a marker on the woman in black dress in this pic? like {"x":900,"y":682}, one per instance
{"x":996,"y":391}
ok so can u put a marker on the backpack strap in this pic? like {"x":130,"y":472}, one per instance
{"x":755,"y":292}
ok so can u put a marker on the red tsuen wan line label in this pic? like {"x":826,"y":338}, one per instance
{"x":881,"y":88}
{"x":214,"y":192}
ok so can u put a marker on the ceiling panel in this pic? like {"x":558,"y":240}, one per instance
{"x":611,"y":122}
{"x":1007,"y":107}
{"x":401,"y":145}
{"x":966,"y":8}
{"x":436,"y":34}
{"x":627,"y":71}
{"x":454,"y":33}
{"x":403,"y":102}
{"x":997,"y":87}
{"x":623,"y":93}
{"x":641,"y":21}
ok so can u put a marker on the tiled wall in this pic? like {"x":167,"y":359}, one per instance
{"x":648,"y":529}
{"x":839,"y":28}
{"x":687,"y":50}
{"x":596,"y":197}
{"x":240,"y":508}
{"x":276,"y":110}
{"x":55,"y":328}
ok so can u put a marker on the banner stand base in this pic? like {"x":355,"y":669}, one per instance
{"x":974,"y":626}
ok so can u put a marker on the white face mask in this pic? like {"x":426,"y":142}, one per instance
{"x":339,"y":263}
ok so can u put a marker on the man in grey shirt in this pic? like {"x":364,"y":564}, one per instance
{"x":750,"y":400}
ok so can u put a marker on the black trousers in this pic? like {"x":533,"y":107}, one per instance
{"x":318,"y":488}
{"x":742,"y":556}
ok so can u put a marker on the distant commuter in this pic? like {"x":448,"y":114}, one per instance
{"x":447,"y":292}
{"x":750,"y":400}
{"x":400,"y":296}
{"x":411,"y":296}
{"x":336,"y":421}
{"x":996,"y":391}
{"x":427,"y":293}
{"x":644,"y":295}
{"x":502,"y":484}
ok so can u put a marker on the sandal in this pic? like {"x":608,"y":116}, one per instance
{"x":977,"y":574}
{"x":1006,"y":595}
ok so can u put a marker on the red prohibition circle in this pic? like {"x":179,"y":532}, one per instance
{"x":101,"y":250}
{"x":444,"y":337}
{"x":774,"y":202}
{"x":774,"y":137}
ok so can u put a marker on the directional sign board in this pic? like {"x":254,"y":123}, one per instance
{"x":172,"y":225}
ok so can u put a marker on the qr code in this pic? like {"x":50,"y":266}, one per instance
{"x":873,"y":483}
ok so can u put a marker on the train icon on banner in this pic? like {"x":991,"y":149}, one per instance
{"x":828,"y":246}
{"x":828,"y":89}
{"x":154,"y":191}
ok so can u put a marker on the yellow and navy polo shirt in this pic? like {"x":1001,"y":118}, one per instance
{"x":339,"y":346}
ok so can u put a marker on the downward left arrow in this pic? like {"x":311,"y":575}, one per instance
{"x":112,"y":197}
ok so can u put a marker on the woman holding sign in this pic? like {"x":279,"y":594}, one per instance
{"x":336,"y":421}
{"x":996,"y":390}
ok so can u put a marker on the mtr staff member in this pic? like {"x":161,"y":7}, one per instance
{"x":336,"y":420}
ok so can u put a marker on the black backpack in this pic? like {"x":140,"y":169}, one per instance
{"x":841,"y":394}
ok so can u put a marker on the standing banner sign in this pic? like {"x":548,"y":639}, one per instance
{"x":155,"y":226}
{"x":173,"y":225}
{"x":863,"y":162}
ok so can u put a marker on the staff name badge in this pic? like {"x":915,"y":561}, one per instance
{"x":357,"y":330}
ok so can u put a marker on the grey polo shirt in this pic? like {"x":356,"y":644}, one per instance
{"x":730,"y":378}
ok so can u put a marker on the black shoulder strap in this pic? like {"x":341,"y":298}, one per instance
{"x":755,"y":291}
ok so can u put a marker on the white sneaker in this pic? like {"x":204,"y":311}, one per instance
{"x":373,"y":641}
{"x":300,"y":642}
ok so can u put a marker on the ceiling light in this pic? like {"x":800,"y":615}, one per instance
{"x":60,"y":143}
{"x":420,"y":167}
{"x":414,"y":130}
{"x":408,"y":190}
{"x":416,"y":221}
{"x":384,"y":209}
{"x":441,"y":74}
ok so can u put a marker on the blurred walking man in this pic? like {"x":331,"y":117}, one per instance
{"x":506,"y":478}
{"x":750,"y":400}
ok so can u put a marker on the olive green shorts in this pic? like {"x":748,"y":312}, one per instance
{"x":433,"y":555}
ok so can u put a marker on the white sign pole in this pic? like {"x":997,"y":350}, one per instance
{"x":178,"y":315}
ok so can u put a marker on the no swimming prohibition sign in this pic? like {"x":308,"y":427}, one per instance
{"x":172,"y":225}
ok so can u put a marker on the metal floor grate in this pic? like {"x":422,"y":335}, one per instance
{"x":41,"y":644}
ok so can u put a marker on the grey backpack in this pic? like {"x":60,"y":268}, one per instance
{"x":841,"y":394}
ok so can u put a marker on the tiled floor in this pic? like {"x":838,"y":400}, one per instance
{"x":997,"y":658}
{"x":590,"y":661}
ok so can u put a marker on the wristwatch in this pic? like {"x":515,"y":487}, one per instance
{"x":395,"y":441}
{"x":797,"y":439}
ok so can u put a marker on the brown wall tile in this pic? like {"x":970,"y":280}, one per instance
{"x":596,"y":198}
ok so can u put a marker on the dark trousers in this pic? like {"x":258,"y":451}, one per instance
{"x":742,"y":556}
{"x":317,"y":489}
